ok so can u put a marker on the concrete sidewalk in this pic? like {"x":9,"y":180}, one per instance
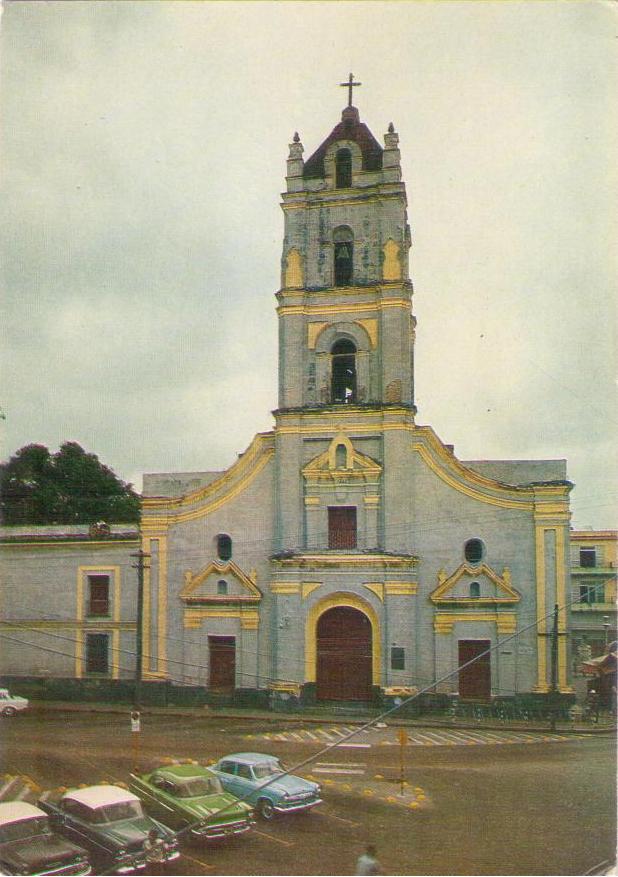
{"x":605,"y":726}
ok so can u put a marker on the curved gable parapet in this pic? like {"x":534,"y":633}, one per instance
{"x":441,"y":460}
{"x":219,"y":491}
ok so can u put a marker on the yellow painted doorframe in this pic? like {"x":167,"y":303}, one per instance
{"x":311,"y":628}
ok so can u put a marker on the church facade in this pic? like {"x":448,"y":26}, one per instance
{"x":348,"y":554}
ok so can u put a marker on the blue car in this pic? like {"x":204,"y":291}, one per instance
{"x":261,"y":780}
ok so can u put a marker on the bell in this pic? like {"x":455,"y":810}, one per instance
{"x":343,"y":253}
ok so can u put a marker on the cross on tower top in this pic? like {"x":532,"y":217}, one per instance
{"x":350,"y":84}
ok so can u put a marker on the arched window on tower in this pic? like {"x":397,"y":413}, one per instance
{"x":343,"y":386}
{"x":343,"y":169}
{"x":343,"y":241}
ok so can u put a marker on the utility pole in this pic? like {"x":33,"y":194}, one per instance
{"x":139,"y":566}
{"x":553,"y":688}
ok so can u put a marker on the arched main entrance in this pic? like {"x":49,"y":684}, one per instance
{"x":344,"y":655}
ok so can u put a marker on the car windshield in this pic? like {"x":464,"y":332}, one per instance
{"x":267,"y":769}
{"x":195,"y":787}
{"x":116,"y":812}
{"x":24,"y":828}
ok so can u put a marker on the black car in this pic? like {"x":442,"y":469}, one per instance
{"x":29,"y":846}
{"x":110,"y":823}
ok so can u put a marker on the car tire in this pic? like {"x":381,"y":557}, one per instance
{"x":265,"y":808}
{"x":9,"y":711}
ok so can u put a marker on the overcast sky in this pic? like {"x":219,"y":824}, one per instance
{"x":143,"y":156}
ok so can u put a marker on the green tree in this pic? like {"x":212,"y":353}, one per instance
{"x":71,"y":486}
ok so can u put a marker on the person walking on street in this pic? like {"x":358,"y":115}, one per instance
{"x":592,"y":705}
{"x":154,"y":847}
{"x":367,"y":862}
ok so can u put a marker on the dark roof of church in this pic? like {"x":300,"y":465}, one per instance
{"x":349,"y":128}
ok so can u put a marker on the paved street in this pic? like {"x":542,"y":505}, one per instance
{"x":476,"y":801}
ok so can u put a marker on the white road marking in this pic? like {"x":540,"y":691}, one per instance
{"x":340,"y":768}
{"x":285,"y":843}
{"x":354,"y":746}
{"x":421,"y":739}
{"x":342,"y":764}
{"x":198,"y":861}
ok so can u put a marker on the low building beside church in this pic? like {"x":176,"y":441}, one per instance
{"x":349,"y":554}
{"x":68,"y":608}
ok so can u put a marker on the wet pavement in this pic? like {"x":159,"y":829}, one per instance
{"x":532,"y":804}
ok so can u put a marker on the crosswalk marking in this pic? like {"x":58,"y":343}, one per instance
{"x":365,"y":738}
{"x":340,"y":768}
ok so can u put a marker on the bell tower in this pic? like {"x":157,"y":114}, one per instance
{"x":346,"y":340}
{"x":346,"y":330}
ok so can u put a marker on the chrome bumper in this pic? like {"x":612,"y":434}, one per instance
{"x":217,"y":832}
{"x":302,"y":805}
{"x":139,"y":863}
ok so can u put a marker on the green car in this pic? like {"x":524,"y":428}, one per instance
{"x":187,"y":796}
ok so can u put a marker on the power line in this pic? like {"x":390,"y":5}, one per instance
{"x":267,"y":655}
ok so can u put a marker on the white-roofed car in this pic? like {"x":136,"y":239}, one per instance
{"x":110,"y":823}
{"x":11,"y":703}
{"x":262,"y":781}
{"x":28,"y":845}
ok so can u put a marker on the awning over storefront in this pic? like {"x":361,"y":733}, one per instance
{"x":601,"y":666}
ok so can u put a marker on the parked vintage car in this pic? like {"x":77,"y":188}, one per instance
{"x":189,"y":796}
{"x":110,"y":823}
{"x":261,"y":780}
{"x":29,"y":846}
{"x":11,"y":703}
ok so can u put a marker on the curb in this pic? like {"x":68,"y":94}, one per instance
{"x":300,"y":718}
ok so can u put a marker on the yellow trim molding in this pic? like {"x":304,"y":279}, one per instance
{"x":226,"y":568}
{"x":401,"y":589}
{"x":506,"y":621}
{"x":391,"y":267}
{"x":309,"y":587}
{"x":376,"y":588}
{"x":161,"y":619}
{"x":331,"y":602}
{"x":294,"y":269}
{"x":442,"y":594}
{"x":313,"y":330}
{"x":357,"y":466}
{"x":193,"y":618}
{"x":371,"y":328}
{"x":285,"y":588}
{"x":261,"y":443}
{"x":80,"y":616}
{"x":329,"y":561}
{"x":323,"y":310}
{"x":442,"y":473}
{"x":286,"y":687}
